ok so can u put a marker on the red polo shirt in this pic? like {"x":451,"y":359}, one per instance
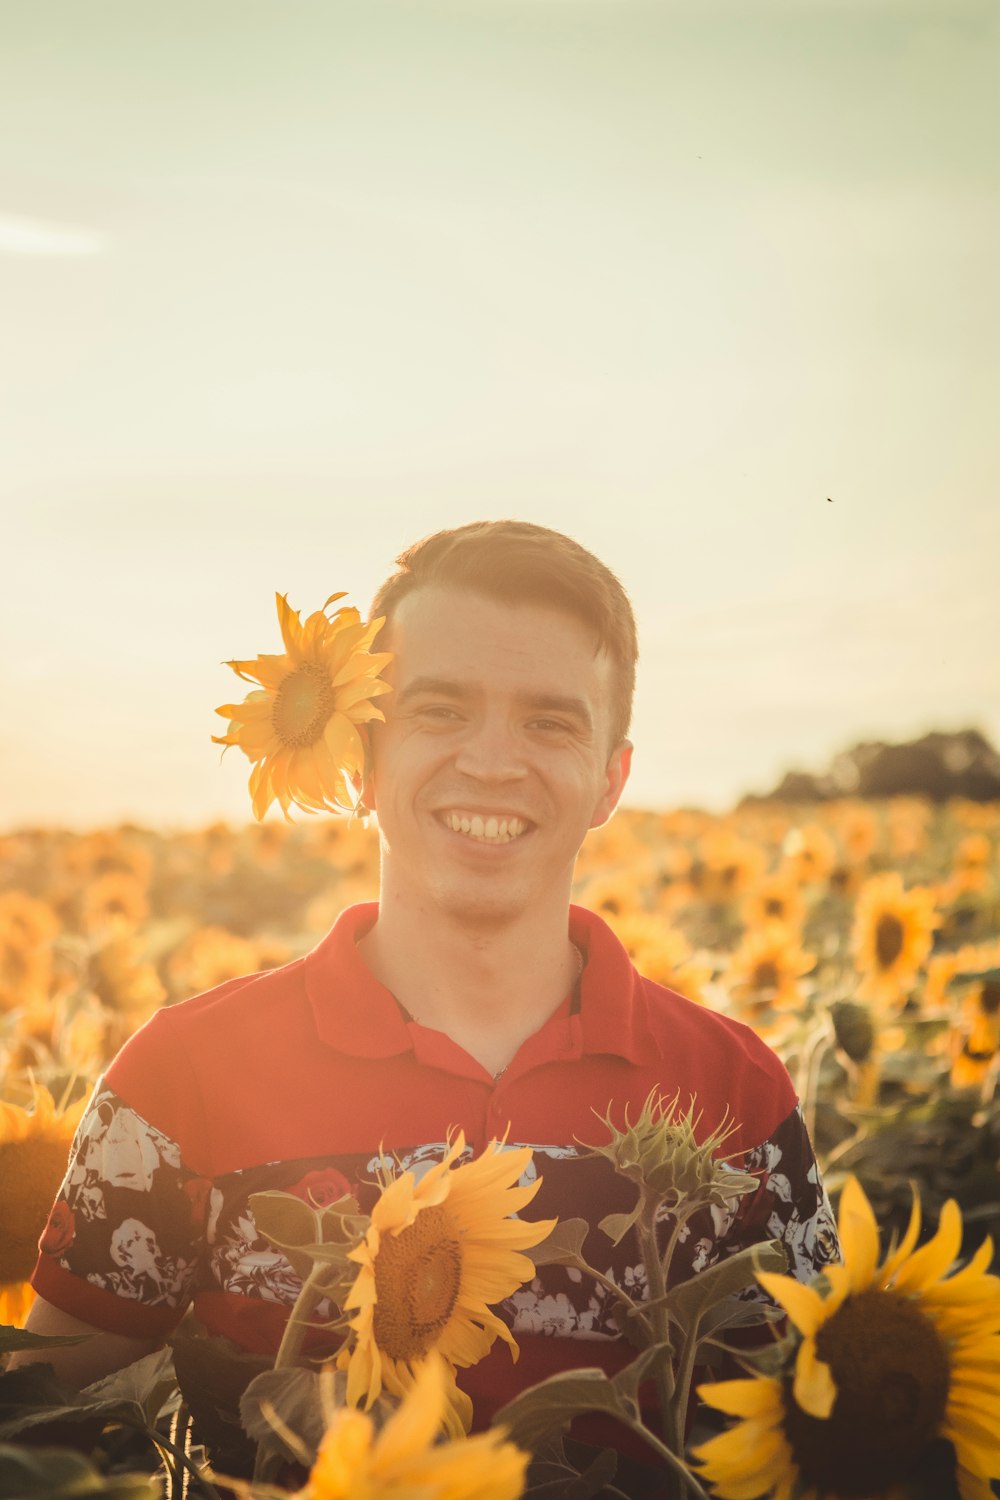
{"x":295,"y":1078}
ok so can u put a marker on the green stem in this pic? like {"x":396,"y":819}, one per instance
{"x":671,"y":1459}
{"x":656,"y":1285}
{"x":314,"y":1289}
{"x":685,"y":1373}
{"x":164,"y":1446}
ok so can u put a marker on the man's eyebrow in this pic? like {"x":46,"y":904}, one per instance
{"x":443,"y":687}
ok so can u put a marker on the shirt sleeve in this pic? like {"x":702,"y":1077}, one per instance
{"x":790,"y":1204}
{"x":126,"y":1235}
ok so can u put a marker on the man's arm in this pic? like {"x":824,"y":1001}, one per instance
{"x":78,"y":1364}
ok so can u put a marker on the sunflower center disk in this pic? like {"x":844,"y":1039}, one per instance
{"x":766,"y":975}
{"x":888,"y":939}
{"x":418,"y":1274}
{"x":891,"y":1370}
{"x":302,"y":705}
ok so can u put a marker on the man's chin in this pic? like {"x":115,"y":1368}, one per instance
{"x":482,"y":908}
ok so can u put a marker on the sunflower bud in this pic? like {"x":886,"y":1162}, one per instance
{"x":854,"y":1029}
{"x":661,"y":1152}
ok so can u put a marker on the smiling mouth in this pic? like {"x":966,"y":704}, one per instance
{"x":488,"y":830}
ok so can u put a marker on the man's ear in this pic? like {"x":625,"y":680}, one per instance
{"x":619,"y":766}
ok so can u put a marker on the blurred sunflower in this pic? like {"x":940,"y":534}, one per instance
{"x":304,"y":729}
{"x":106,"y":852}
{"x":767,"y":966}
{"x":661,"y":953}
{"x":809,"y":854}
{"x":889,"y":1359}
{"x":976,"y":1041}
{"x":115,"y":901}
{"x":727,"y":865}
{"x":27,"y":920}
{"x":208,"y":957}
{"x":25,"y":970}
{"x":404,"y":1462}
{"x":34,"y":1148}
{"x":855,"y":828}
{"x":776,"y":898}
{"x":438,"y":1250}
{"x":892,"y":936}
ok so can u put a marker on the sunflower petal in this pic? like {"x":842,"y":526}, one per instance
{"x":803,"y":1305}
{"x":932,"y":1260}
{"x":813,"y":1388}
{"x":858,"y":1234}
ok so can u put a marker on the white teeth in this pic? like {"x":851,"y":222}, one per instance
{"x":490,"y":830}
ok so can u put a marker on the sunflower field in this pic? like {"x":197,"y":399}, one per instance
{"x":860,"y":939}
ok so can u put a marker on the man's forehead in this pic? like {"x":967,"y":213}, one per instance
{"x":446,"y":616}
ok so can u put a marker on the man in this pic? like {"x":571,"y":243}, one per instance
{"x":473,"y":995}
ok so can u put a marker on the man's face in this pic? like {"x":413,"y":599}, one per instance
{"x":494,"y":759}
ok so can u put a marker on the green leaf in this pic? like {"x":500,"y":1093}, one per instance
{"x":213,"y":1374}
{"x":148,"y":1383}
{"x":687,"y":1301}
{"x":628,"y":1381}
{"x":617,"y":1226}
{"x":734,"y":1312}
{"x":304,"y":1234}
{"x":19,"y":1338}
{"x":295,"y":1396}
{"x":32,"y":1397}
{"x":564,"y":1246}
{"x":64,"y":1474}
{"x":567,"y":1483}
{"x":550,"y":1406}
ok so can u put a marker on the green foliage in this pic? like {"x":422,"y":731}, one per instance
{"x":63,"y":1474}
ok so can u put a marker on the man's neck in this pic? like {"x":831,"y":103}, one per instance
{"x":488,"y":987}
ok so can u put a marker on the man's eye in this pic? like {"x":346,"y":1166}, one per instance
{"x":549,"y":725}
{"x":440,"y":711}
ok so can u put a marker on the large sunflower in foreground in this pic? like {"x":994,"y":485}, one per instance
{"x":305,"y":729}
{"x":437,"y":1252}
{"x":34,"y":1149}
{"x":403,"y":1461}
{"x":893,"y":933}
{"x":890,"y":1359}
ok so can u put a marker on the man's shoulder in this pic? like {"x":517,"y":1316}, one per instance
{"x":236,"y":1016}
{"x":672,"y":1016}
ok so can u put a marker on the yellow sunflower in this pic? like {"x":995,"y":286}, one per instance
{"x":776,"y":898}
{"x":403,"y":1461}
{"x":767,"y":966}
{"x":893,"y":933}
{"x":661,"y":953}
{"x":809,"y":854}
{"x":34,"y":1148}
{"x":976,"y":1040}
{"x":305,"y":729}
{"x":891,"y":1358}
{"x":437,"y":1252}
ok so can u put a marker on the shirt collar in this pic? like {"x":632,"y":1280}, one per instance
{"x":358,"y":1016}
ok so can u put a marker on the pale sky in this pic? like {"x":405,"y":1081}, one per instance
{"x":283,"y":288}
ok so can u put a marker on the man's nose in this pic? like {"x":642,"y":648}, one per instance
{"x":490,"y":750}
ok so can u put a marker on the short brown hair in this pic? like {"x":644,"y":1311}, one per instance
{"x":518,"y":562}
